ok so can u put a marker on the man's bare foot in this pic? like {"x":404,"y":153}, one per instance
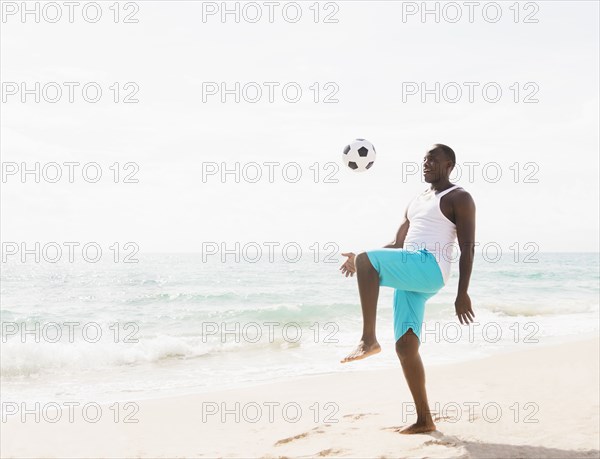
{"x":417,"y":428}
{"x":362,"y":351}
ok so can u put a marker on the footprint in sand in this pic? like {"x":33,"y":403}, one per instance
{"x":440,"y":442}
{"x":444,"y":440}
{"x":283,"y":441}
{"x":356,"y":417}
{"x":329,"y":452}
{"x":319,"y":430}
{"x":289,"y":439}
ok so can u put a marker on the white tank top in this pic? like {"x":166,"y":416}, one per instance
{"x":430,"y":229}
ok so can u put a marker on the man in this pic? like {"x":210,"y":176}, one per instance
{"x":417,"y":266}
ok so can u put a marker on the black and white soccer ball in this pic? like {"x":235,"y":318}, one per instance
{"x":359,"y":155}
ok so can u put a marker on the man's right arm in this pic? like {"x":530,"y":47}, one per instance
{"x":401,"y":234}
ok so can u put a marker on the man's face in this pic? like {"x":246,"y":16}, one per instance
{"x":436,"y":166}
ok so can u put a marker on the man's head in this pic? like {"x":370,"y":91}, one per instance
{"x":438,"y":163}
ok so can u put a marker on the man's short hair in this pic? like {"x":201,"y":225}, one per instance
{"x":449,"y":152}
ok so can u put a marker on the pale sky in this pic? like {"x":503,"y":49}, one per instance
{"x":367,"y":55}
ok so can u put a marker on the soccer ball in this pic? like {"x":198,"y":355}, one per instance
{"x":359,"y":155}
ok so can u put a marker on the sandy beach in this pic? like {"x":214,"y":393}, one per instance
{"x":538,"y":402}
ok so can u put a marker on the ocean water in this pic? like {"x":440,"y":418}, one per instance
{"x":176,"y":324}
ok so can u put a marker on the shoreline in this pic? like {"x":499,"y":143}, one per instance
{"x":350,"y":369}
{"x":506,"y":405}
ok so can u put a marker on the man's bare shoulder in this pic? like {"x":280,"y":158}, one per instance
{"x":462,"y":198}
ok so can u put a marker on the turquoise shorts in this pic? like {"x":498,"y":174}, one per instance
{"x":415,"y":276}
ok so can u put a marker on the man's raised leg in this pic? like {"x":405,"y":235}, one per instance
{"x":407,"y":348}
{"x":368,"y":288}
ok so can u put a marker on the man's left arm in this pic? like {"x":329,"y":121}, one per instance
{"x":464,"y":214}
